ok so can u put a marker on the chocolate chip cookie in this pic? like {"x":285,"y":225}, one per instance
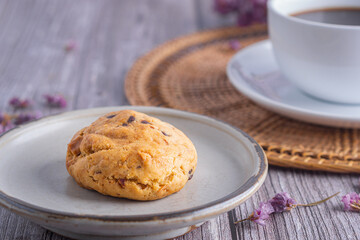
{"x":128,"y":154}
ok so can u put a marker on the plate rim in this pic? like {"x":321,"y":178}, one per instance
{"x":216,"y":207}
{"x":288,"y":110}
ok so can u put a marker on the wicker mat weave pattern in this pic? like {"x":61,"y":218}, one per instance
{"x":188,"y":73}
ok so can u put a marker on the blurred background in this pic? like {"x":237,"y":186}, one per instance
{"x":107,"y":37}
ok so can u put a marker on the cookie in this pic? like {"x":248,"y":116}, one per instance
{"x":129,"y":154}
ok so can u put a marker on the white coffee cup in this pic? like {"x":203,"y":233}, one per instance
{"x":321,"y":59}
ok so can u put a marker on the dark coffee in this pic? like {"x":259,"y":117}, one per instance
{"x":342,"y":16}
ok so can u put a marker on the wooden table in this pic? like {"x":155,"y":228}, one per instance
{"x":110,"y":35}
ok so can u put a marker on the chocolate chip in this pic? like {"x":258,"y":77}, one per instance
{"x":121,"y":182}
{"x":145,"y":122}
{"x":131,"y":119}
{"x":190,"y":177}
{"x":98,"y":172}
{"x":190,"y":171}
{"x":165,"y":134}
{"x":124,"y":124}
{"x":138,"y":167}
{"x":111,"y":116}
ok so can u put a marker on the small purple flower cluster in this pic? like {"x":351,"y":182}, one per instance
{"x":27,"y":117}
{"x":9,"y":121}
{"x":280,"y":203}
{"x":261,"y":214}
{"x":16,"y":102}
{"x":351,"y":201}
{"x":248,"y":11}
{"x":56,"y":100}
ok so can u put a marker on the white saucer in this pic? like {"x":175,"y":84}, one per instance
{"x":255,"y":73}
{"x":34,"y":182}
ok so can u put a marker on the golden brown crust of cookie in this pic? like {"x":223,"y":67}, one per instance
{"x":128,"y":154}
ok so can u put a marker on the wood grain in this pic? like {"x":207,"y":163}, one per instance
{"x":110,"y":35}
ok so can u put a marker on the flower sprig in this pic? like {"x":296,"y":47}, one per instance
{"x":55,"y":100}
{"x":10,"y":120}
{"x":280,"y":203}
{"x":16,"y":102}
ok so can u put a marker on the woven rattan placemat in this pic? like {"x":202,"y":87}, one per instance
{"x":188,"y":73}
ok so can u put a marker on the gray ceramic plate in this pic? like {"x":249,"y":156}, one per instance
{"x":34,"y":182}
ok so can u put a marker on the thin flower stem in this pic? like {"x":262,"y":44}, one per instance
{"x":243,"y":220}
{"x":356,"y":206}
{"x":318,"y":202}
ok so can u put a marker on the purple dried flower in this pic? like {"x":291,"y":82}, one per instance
{"x":282,"y":202}
{"x":261,"y":214}
{"x":248,"y":11}
{"x":245,"y":19}
{"x":71,"y":45}
{"x":55,"y":100}
{"x":226,"y":6}
{"x":26,"y":117}
{"x":259,"y":11}
{"x":351,"y":201}
{"x":19,"y":103}
{"x":234,"y":44}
